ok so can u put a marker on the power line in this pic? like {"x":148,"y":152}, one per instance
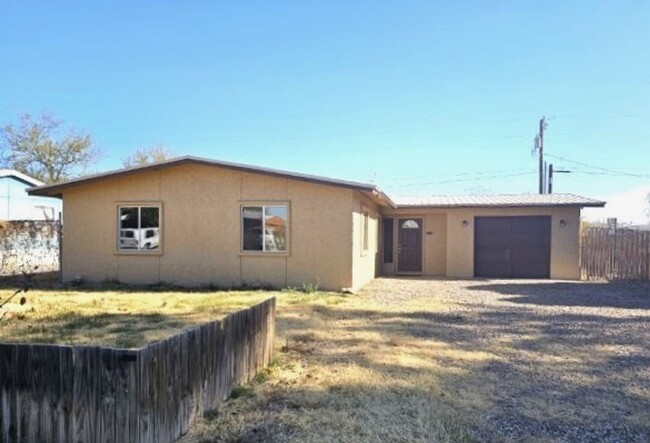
{"x":462,"y":174}
{"x":463,"y":180}
{"x":600,"y":168}
{"x":611,"y":174}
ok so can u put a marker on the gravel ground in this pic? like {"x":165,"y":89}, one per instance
{"x":570,"y":361}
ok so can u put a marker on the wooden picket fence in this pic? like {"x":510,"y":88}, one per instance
{"x":51,"y":393}
{"x":615,"y":254}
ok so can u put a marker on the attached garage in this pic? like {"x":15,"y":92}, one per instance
{"x":512,"y":247}
{"x":488,"y":236}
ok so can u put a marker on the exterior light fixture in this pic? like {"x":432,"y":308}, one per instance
{"x":562,"y":222}
{"x":465,"y":223}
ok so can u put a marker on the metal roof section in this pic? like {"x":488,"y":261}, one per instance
{"x":20,"y":176}
{"x":495,"y":200}
{"x":367,"y":188}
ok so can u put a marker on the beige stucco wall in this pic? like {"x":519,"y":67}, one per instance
{"x":434,"y":239}
{"x":201,"y":230}
{"x":435,"y":244}
{"x":448,"y":246}
{"x":364,"y":263}
{"x":565,"y":240}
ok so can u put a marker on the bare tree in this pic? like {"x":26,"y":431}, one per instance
{"x":40,"y":147}
{"x":147,"y":156}
{"x":647,"y":206}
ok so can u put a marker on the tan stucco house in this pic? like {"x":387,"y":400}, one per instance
{"x":192,"y":221}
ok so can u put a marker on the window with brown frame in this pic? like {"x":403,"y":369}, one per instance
{"x":264,"y":228}
{"x":139,"y":227}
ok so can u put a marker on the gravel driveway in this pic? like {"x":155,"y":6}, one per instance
{"x":561,"y":361}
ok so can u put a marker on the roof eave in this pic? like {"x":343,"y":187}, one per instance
{"x":21,"y":177}
{"x":56,"y":189}
{"x":549,"y":205}
{"x":385,"y":199}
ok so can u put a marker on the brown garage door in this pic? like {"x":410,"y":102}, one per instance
{"x":512,"y":247}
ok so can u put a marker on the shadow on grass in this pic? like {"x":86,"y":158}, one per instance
{"x":531,"y":331}
{"x":520,"y":373}
{"x":339,"y":413}
{"x":122,"y":330}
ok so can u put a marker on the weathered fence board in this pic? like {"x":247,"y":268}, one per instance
{"x":51,"y":393}
{"x":145,"y":393}
{"x":24,"y":392}
{"x":615,"y":254}
{"x":85,"y":393}
{"x":126,"y":414}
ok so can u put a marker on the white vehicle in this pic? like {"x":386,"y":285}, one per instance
{"x":150,"y":239}
{"x":146,"y":238}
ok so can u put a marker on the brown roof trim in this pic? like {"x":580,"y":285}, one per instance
{"x":56,"y":189}
{"x":498,"y":200}
{"x":598,"y":204}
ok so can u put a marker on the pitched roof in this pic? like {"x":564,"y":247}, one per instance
{"x":20,"y":176}
{"x":501,"y":200}
{"x":55,"y":189}
{"x":430,"y":201}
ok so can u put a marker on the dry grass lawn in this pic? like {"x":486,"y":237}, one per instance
{"x":345,"y":370}
{"x":406,"y":360}
{"x":116,"y":317}
{"x":428,"y":361}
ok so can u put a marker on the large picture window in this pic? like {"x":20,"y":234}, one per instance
{"x":264,"y":228}
{"x":139,"y":228}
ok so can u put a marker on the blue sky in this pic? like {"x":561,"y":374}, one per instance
{"x":420,"y":97}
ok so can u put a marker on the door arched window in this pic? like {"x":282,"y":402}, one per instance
{"x":410,"y":224}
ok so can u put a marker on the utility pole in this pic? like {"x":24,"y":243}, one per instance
{"x":551,"y":171}
{"x":539,"y":146}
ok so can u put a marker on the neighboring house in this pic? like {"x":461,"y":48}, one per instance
{"x":16,"y":204}
{"x":228,"y":224}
